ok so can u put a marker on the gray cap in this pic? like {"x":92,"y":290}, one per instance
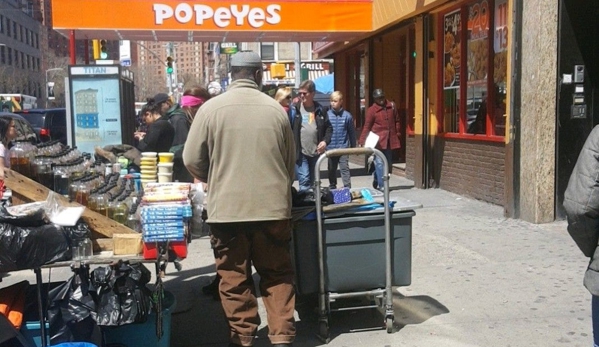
{"x":378,"y":93}
{"x":246,"y":59}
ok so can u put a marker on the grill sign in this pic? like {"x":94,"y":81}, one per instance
{"x":222,"y":17}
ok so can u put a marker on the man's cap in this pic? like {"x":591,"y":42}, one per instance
{"x":378,"y":93}
{"x":160,"y":98}
{"x":246,"y":59}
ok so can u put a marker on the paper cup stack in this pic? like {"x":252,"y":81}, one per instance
{"x":148,"y":168}
{"x":165,"y":167}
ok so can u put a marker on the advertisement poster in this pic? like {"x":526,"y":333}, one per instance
{"x":96,"y":112}
{"x":452,"y":49}
{"x":500,"y":42}
{"x":478,"y":41}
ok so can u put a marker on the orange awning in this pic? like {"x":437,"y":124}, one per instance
{"x":213,"y":21}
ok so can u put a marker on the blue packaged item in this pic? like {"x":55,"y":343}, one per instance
{"x":341,"y":195}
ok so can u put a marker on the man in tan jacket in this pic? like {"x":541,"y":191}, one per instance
{"x":241,"y":145}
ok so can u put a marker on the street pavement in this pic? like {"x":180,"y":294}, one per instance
{"x":478,"y":279}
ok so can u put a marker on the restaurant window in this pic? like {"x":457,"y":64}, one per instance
{"x":474,"y":65}
{"x":267,"y":50}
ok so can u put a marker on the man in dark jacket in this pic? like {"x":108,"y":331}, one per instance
{"x":312,"y":131}
{"x":160,"y":134}
{"x":581,"y":202}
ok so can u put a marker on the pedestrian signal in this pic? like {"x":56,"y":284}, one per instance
{"x":169,"y":65}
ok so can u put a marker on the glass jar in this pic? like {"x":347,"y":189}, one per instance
{"x":121,"y":211}
{"x":44,"y":172}
{"x":61,"y":180}
{"x":21,"y":156}
{"x":82,"y":193}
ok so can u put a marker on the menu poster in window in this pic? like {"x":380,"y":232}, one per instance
{"x":478,"y":41}
{"x":451,"y":50}
{"x":500,"y":42}
{"x":96,"y":112}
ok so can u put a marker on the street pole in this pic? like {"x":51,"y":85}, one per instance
{"x":297,"y":62}
{"x":46,"y":85}
{"x":170,"y":75}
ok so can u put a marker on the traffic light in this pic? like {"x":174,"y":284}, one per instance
{"x":103,"y":49}
{"x":169,"y":65}
{"x":96,"y":49}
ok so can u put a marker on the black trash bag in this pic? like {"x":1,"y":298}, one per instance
{"x":121,"y":294}
{"x":71,"y":311}
{"x":307,"y":197}
{"x":31,"y":247}
{"x":34,"y":219}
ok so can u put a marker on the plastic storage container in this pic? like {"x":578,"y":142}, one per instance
{"x":354,"y":248}
{"x":144,"y":334}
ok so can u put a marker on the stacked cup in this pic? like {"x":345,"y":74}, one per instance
{"x":148,"y":167}
{"x":165,"y":167}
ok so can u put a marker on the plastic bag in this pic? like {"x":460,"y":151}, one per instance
{"x":30,"y":247}
{"x":54,"y":207}
{"x":121,"y":294}
{"x":198,"y":200}
{"x":71,"y":310}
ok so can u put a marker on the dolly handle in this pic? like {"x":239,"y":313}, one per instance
{"x":349,"y":151}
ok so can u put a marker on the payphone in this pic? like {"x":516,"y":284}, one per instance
{"x":578,"y":110}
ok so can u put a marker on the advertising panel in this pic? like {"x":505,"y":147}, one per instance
{"x":95,"y":105}
{"x":452,"y":46}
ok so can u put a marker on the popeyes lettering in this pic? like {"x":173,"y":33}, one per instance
{"x":220,"y":16}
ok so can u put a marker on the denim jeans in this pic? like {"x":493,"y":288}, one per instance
{"x":379,"y":166}
{"x":305,"y":172}
{"x":343,"y":163}
{"x":595,"y":318}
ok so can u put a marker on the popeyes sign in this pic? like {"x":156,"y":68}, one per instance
{"x":287,"y":15}
{"x":222,"y":17}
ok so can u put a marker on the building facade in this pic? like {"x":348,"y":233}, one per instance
{"x":479,"y":86}
{"x":20,"y":49}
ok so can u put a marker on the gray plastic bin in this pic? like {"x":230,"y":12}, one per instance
{"x":354,"y":252}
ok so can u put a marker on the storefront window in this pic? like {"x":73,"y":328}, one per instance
{"x":478,"y":66}
{"x":474,"y":85}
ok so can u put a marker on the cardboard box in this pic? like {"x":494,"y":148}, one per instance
{"x":127,"y":244}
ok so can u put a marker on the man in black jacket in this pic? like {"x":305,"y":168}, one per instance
{"x":160,"y":134}
{"x":312,"y":131}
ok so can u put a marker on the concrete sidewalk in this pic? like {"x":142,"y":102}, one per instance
{"x":478,"y":279}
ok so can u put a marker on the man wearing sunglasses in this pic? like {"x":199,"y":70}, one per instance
{"x":312,"y":130}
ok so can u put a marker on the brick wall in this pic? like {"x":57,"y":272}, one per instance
{"x":472,"y":168}
{"x":410,"y":156}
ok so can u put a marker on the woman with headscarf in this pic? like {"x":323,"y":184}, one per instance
{"x":191,"y":101}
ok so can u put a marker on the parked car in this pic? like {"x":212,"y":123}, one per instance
{"x":49,"y":124}
{"x":24,"y":129}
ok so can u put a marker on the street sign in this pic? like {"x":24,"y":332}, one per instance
{"x":126,"y":62}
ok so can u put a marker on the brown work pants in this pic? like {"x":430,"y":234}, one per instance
{"x":238,"y":246}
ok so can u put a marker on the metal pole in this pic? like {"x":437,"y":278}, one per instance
{"x":46,"y":86}
{"x":297,"y":62}
{"x":72,"y":47}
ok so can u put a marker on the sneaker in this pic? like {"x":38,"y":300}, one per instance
{"x":375,"y":184}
